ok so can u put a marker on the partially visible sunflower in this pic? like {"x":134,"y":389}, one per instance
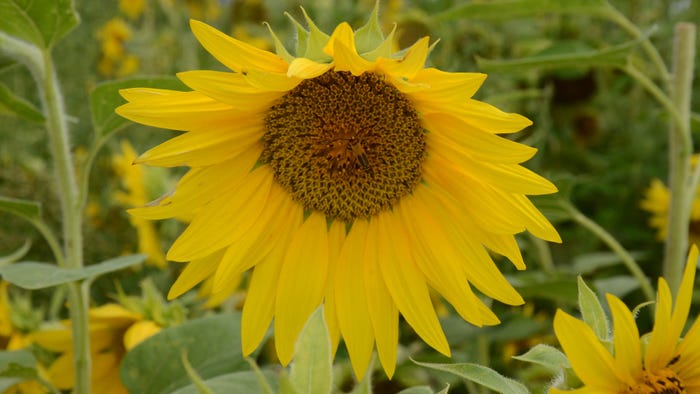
{"x":347,"y":175}
{"x":113,"y":331}
{"x":115,"y":61}
{"x":134,"y":181}
{"x":656,"y":201}
{"x":662,"y":363}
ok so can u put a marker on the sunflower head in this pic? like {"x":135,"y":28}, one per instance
{"x":347,"y":175}
{"x":662,"y":362}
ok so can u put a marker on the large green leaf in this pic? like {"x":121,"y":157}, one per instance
{"x":15,"y":367}
{"x":29,"y":210}
{"x":482,"y":375}
{"x":509,"y":9}
{"x":32,"y":275}
{"x":311,"y":371}
{"x":236,"y":382}
{"x":211,"y":344}
{"x":40,"y":22}
{"x":105,"y":98}
{"x":13,"y":105}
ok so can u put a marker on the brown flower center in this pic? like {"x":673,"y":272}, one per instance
{"x":347,"y":146}
{"x":664,"y":381}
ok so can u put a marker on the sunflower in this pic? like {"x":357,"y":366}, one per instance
{"x":656,"y":201}
{"x":667,"y":365}
{"x":113,"y":331}
{"x":348,"y":176}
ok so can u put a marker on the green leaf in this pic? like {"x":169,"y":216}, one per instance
{"x":311,"y":371}
{"x":32,"y":275}
{"x":197,"y":381}
{"x":29,"y":210}
{"x":482,"y":375}
{"x":105,"y":98}
{"x":616,"y":55}
{"x":17,"y":254}
{"x":445,"y":390}
{"x":590,"y":262}
{"x":11,"y":104}
{"x":591,"y":310}
{"x":212,"y":345}
{"x":547,"y":356}
{"x":619,"y":285}
{"x":502,"y":10}
{"x":237,"y":382}
{"x":15,"y":367}
{"x":40,"y":22}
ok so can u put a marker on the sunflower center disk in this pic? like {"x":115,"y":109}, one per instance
{"x":657,"y":382}
{"x":347,"y":146}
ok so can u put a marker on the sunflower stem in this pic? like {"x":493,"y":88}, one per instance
{"x":680,"y":150}
{"x":71,"y":214}
{"x":615,"y":246}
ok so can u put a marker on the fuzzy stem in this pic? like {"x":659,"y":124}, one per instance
{"x":680,"y":150}
{"x":615,"y":246}
{"x":71,"y":211}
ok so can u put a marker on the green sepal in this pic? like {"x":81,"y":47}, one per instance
{"x":310,"y":42}
{"x":385,"y":49}
{"x":369,"y":37}
{"x":280,"y":50}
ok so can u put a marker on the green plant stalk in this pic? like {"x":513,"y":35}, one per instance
{"x":680,"y":150}
{"x":615,"y":246}
{"x":71,"y":210}
{"x":621,"y":20}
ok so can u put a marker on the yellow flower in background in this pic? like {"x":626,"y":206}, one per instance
{"x":113,"y":331}
{"x":11,"y":336}
{"x":665,"y":364}
{"x":114,"y":60}
{"x":203,"y":9}
{"x":134,"y":182}
{"x":656,"y":201}
{"x":132,"y":8}
{"x":349,"y":176}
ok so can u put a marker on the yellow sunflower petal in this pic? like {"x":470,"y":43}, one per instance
{"x":195,"y":271}
{"x":262,"y":289}
{"x":587,"y":356}
{"x":661,"y":342}
{"x":478,"y":114}
{"x":447,"y":86}
{"x":688,"y":365}
{"x":685,"y":294}
{"x":454,"y":135}
{"x":351,"y":299}
{"x":203,"y":149}
{"x":382,"y":310}
{"x":407,"y":287}
{"x":411,"y":63}
{"x":341,"y":46}
{"x":628,"y":353}
{"x":225,"y":219}
{"x":307,"y":69}
{"x":336,"y":238}
{"x":231,"y":89}
{"x":234,"y":54}
{"x":140,"y":331}
{"x":301,"y":283}
{"x":273,"y":82}
{"x":254,"y":244}
{"x":178,"y":111}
